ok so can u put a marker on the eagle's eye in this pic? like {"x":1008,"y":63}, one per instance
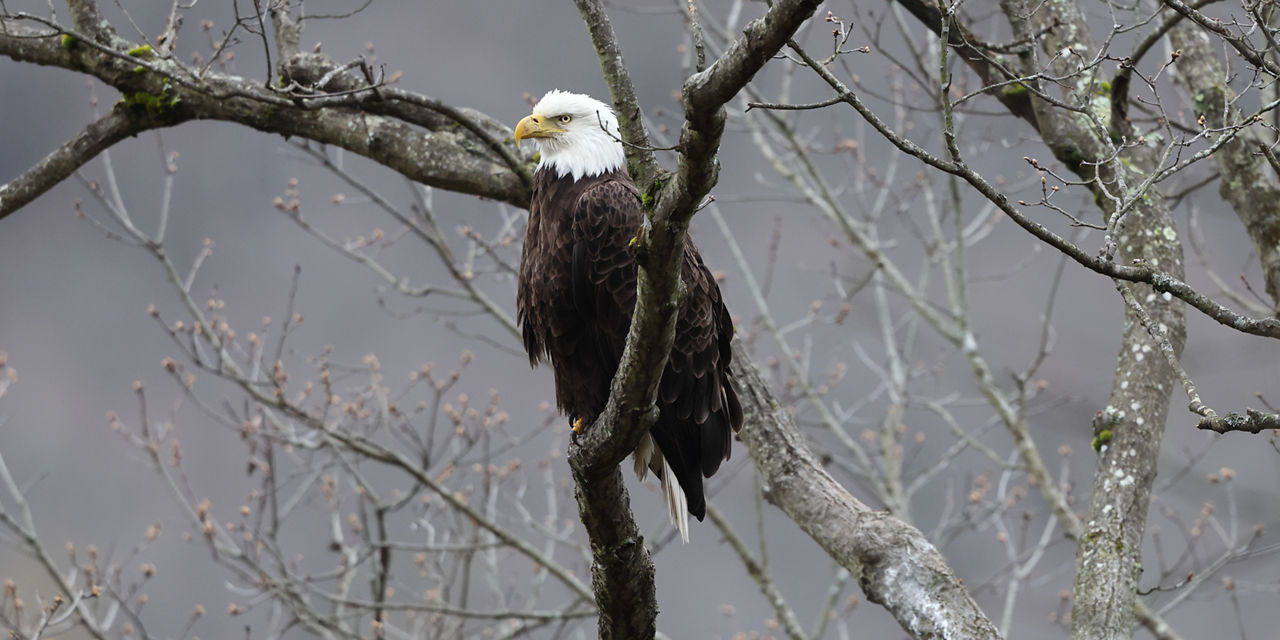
{"x":564,"y":119}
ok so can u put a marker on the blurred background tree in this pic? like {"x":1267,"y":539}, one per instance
{"x":332,"y":432}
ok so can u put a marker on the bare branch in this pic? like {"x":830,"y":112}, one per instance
{"x":758,"y":573}
{"x":99,"y":136}
{"x":640,"y":159}
{"x":1140,"y":272}
{"x":168,"y":93}
{"x":1251,"y":421}
{"x":896,"y":566}
{"x":1253,"y":192}
{"x":659,"y":252}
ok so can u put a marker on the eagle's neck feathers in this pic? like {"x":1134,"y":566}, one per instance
{"x":588,"y":153}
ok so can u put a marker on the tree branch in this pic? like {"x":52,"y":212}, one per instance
{"x":659,"y":252}
{"x":309,"y":69}
{"x":460,"y":151}
{"x":1107,"y":570}
{"x":1109,"y":554}
{"x":73,"y":154}
{"x":640,"y":160}
{"x":467,"y":152}
{"x":896,"y":566}
{"x":1251,"y":190}
{"x":1139,"y":271}
{"x":85,"y":16}
{"x":1251,"y":421}
{"x":760,"y":574}
{"x":983,"y":63}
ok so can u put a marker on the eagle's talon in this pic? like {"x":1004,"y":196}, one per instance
{"x":578,"y":426}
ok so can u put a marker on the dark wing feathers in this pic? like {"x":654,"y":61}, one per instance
{"x":605,"y":218}
{"x":578,"y":263}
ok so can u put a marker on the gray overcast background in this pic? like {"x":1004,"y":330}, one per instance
{"x":73,"y":321}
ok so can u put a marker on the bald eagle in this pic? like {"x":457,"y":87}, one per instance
{"x":577,"y":289}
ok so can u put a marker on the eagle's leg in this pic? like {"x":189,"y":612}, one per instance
{"x":579,"y":425}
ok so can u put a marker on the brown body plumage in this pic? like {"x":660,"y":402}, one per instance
{"x":576,"y":293}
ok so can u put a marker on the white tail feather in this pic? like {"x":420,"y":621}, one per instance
{"x":677,"y":508}
{"x":642,"y":456}
{"x":649,"y":457}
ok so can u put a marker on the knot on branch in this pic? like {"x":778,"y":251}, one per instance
{"x":622,"y":548}
{"x":1251,"y":421}
{"x":317,"y":73}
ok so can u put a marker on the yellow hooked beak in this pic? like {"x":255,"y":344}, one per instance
{"x":536,"y":126}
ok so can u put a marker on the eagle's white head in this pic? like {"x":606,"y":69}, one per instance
{"x":576,"y":134}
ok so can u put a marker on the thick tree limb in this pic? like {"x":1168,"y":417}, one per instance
{"x":84,"y":14}
{"x":466,"y":154}
{"x":1109,"y":558}
{"x":287,"y":31}
{"x":640,"y":160}
{"x":99,"y":136}
{"x":622,"y":572}
{"x":1251,"y":190}
{"x":896,"y":566}
{"x":456,"y":152}
{"x":310,"y":69}
{"x":1109,"y":554}
{"x":660,"y":250}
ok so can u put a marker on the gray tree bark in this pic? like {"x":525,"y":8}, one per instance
{"x":467,"y":152}
{"x":1109,"y":551}
{"x":463,"y":150}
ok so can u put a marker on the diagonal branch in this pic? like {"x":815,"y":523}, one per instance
{"x":73,"y":154}
{"x":312,"y":69}
{"x":619,"y":558}
{"x":1082,"y":144}
{"x":1251,"y":189}
{"x":640,"y":161}
{"x":1138,"y":271}
{"x":983,"y":62}
{"x":1252,"y":55}
{"x":760,"y":574}
{"x":896,"y":566}
{"x":460,"y":150}
{"x":661,"y":246}
{"x":85,"y":15}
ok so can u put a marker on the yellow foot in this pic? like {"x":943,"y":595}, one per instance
{"x":579,"y":425}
